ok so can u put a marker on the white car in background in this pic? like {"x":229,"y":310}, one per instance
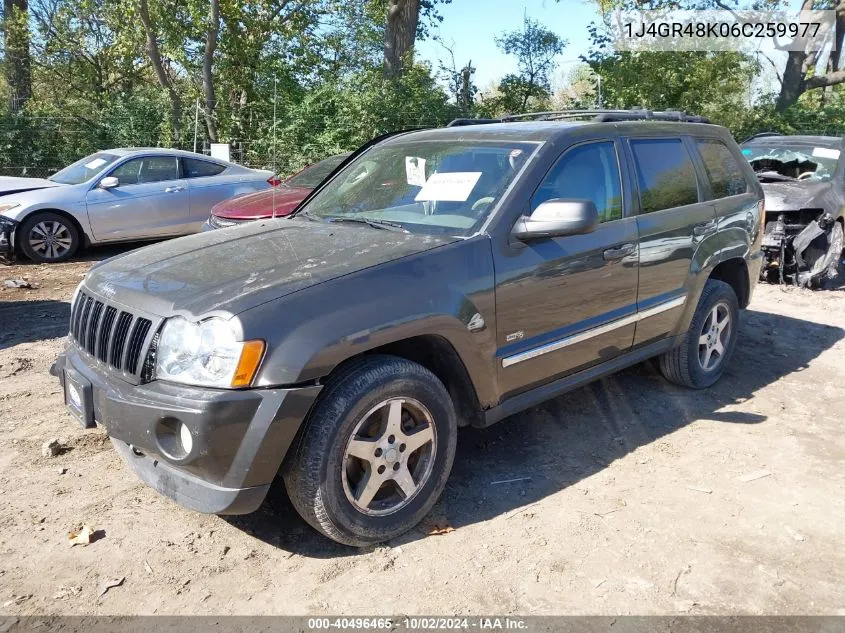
{"x":119,"y":195}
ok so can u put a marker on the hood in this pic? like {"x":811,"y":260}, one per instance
{"x":794,"y":195}
{"x":12,"y":184}
{"x":228,"y":271}
{"x":260,"y":205}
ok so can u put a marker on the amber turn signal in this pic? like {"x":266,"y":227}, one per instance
{"x":248,"y":363}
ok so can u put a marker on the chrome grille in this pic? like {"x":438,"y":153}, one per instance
{"x":113,"y":336}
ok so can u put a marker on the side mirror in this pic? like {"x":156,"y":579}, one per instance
{"x":109,"y":182}
{"x":556,"y":218}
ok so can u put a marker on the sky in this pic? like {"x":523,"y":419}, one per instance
{"x":472,"y":25}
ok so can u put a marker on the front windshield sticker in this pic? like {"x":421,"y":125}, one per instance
{"x":94,"y":164}
{"x":452,"y":186}
{"x":415,"y":170}
{"x":747,"y":152}
{"x":825,"y":152}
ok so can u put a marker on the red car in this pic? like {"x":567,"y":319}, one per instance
{"x":277,"y":201}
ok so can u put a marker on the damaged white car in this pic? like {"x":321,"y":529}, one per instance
{"x":803,"y":180}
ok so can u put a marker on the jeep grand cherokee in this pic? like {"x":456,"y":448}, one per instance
{"x":439,"y":278}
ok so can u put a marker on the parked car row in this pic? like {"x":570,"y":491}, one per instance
{"x":440,"y":278}
{"x":119,"y":195}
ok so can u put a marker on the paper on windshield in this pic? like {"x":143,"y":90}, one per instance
{"x":825,"y":152}
{"x":94,"y":164}
{"x":450,"y":186}
{"x":415,"y":170}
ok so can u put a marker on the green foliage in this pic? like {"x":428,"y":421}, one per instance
{"x":341,"y":115}
{"x":535,"y":48}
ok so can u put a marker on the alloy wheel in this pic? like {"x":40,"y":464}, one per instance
{"x":50,"y":239}
{"x":714,"y":337}
{"x":389,"y":457}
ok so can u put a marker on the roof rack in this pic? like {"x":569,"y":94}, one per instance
{"x":635,"y":114}
{"x":461,"y":122}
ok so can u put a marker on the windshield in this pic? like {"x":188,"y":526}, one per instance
{"x":792,"y":161}
{"x":439,"y":187}
{"x":312,"y":176}
{"x":84,"y":169}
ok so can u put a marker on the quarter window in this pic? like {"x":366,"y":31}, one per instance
{"x":586,"y":172}
{"x":665,"y":174}
{"x":726,"y":177}
{"x":139,"y":171}
{"x":200,"y":168}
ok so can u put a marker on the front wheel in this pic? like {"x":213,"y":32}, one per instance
{"x":709,"y":343}
{"x":48,"y":237}
{"x":375,"y":452}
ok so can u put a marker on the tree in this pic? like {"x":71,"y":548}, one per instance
{"x":162,"y":75}
{"x":458,"y":81}
{"x":16,"y":41}
{"x":405,"y":22}
{"x":535,"y":48}
{"x":403,"y":17}
{"x":800,"y":74}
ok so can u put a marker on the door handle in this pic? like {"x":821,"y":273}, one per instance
{"x":619,"y":252}
{"x":173,"y":189}
{"x":700,"y":230}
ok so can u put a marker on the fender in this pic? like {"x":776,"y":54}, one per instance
{"x":447,"y":292}
{"x":738,"y":236}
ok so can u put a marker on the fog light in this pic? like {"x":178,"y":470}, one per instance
{"x":187,"y":439}
{"x":175,"y":440}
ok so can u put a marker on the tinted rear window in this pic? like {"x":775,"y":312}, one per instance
{"x":723,"y":170}
{"x":665,"y":174}
{"x":199,"y":168}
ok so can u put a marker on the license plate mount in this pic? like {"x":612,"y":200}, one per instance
{"x":79,"y":398}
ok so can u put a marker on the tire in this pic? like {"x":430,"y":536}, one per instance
{"x":357,"y":415}
{"x":689,"y":364}
{"x":63,"y":238}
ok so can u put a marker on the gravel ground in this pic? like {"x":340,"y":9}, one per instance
{"x":631,"y":496}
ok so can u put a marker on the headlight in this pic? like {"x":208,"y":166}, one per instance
{"x":6,"y":206}
{"x":206,"y":354}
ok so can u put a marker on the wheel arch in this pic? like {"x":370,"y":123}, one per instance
{"x":734,"y":272}
{"x":83,"y":236}
{"x":438,"y":355}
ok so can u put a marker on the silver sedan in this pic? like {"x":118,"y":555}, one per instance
{"x":119,"y":195}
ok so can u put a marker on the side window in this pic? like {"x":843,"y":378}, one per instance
{"x":139,"y":171}
{"x":665,"y":174}
{"x":195,"y":168}
{"x":587,"y":172}
{"x":726,"y":177}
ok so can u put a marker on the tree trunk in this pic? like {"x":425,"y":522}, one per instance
{"x":161,"y":74}
{"x":207,"y":68}
{"x":793,"y":85}
{"x":16,"y":37}
{"x":399,"y":35}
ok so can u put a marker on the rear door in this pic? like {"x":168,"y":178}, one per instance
{"x":673,"y":220}
{"x":210,"y":182}
{"x":151,"y":200}
{"x":563,"y":304}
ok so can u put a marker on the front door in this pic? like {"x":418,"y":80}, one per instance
{"x":673,"y":220}
{"x":566,"y":303}
{"x":149,"y":201}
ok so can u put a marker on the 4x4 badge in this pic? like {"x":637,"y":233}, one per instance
{"x":515,"y":336}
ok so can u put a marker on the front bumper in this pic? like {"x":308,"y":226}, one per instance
{"x":240,"y":437}
{"x":7,"y":235}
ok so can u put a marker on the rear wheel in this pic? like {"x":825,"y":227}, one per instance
{"x":709,"y":343}
{"x":48,"y":237}
{"x":375,"y":453}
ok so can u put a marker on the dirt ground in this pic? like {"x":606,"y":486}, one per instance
{"x":629,"y":496}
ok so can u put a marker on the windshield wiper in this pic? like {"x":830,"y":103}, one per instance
{"x":376,"y":224}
